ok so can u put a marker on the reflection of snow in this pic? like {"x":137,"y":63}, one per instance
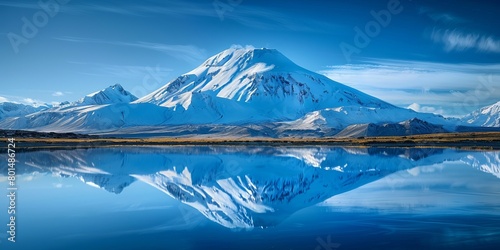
{"x":312,"y":157}
{"x":488,"y":162}
{"x":248,"y":187}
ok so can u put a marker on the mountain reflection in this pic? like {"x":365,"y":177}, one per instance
{"x":244,"y":187}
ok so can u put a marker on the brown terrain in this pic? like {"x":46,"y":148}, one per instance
{"x":466,"y":140}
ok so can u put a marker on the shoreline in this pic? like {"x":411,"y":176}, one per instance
{"x":467,"y":140}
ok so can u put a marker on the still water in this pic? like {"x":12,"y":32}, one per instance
{"x":317,"y":198}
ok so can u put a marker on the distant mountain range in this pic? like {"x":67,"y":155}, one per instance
{"x":10,"y":109}
{"x":239,"y":92}
{"x":111,"y":95}
{"x":488,"y":116}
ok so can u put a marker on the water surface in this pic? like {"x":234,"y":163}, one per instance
{"x":256,"y":198}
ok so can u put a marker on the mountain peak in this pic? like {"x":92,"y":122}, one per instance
{"x":113,"y":88}
{"x":494,"y":106}
{"x":245,"y":57}
{"x":112,"y":94}
{"x":10,"y":109}
{"x":488,"y":116}
{"x":261,"y":81}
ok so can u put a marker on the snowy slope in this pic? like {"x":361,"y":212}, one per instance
{"x":331,"y":121}
{"x":107,"y":109}
{"x":110,"y":95}
{"x":91,"y":118}
{"x":239,"y":87}
{"x":10,"y":109}
{"x":409,"y":127}
{"x":262,"y":83}
{"x":488,"y":116}
{"x":488,"y":162}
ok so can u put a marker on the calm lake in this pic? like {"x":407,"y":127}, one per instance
{"x":218,"y":197}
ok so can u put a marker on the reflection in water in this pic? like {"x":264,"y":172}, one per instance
{"x":244,"y":187}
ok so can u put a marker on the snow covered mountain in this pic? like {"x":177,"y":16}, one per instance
{"x":330,"y":121}
{"x":110,"y":95}
{"x":100,"y":110}
{"x":244,"y":85}
{"x":409,"y":127}
{"x":488,"y":116}
{"x":259,"y":91}
{"x":11,"y":109}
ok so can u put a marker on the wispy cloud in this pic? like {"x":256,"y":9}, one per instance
{"x":31,"y":177}
{"x":126,"y":71}
{"x":3,"y":99}
{"x":145,"y":78}
{"x":441,"y":17}
{"x":450,"y":89}
{"x":264,"y":18}
{"x":448,"y":32}
{"x":108,"y":9}
{"x":17,"y":4}
{"x":189,"y":53}
{"x":73,"y":8}
{"x":243,"y":13}
{"x":58,"y":93}
{"x":426,"y":109}
{"x":460,"y":41}
{"x":185,"y":52}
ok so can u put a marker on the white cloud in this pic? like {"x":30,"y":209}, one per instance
{"x":29,"y":101}
{"x":460,"y":41}
{"x":426,"y":109}
{"x":3,"y":99}
{"x":414,"y":106}
{"x":58,"y":93}
{"x":449,"y":89}
{"x":31,"y":177}
{"x":32,"y":102}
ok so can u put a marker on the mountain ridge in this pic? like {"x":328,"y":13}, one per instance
{"x":488,"y":116}
{"x":112,"y":94}
{"x":258,"y":90}
{"x":263,"y":78}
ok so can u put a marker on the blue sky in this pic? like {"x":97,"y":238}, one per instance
{"x":433,"y":56}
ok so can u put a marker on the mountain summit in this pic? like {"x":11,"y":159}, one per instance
{"x":262,"y":82}
{"x":109,"y":95}
{"x":488,"y":116}
{"x":238,"y":92}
